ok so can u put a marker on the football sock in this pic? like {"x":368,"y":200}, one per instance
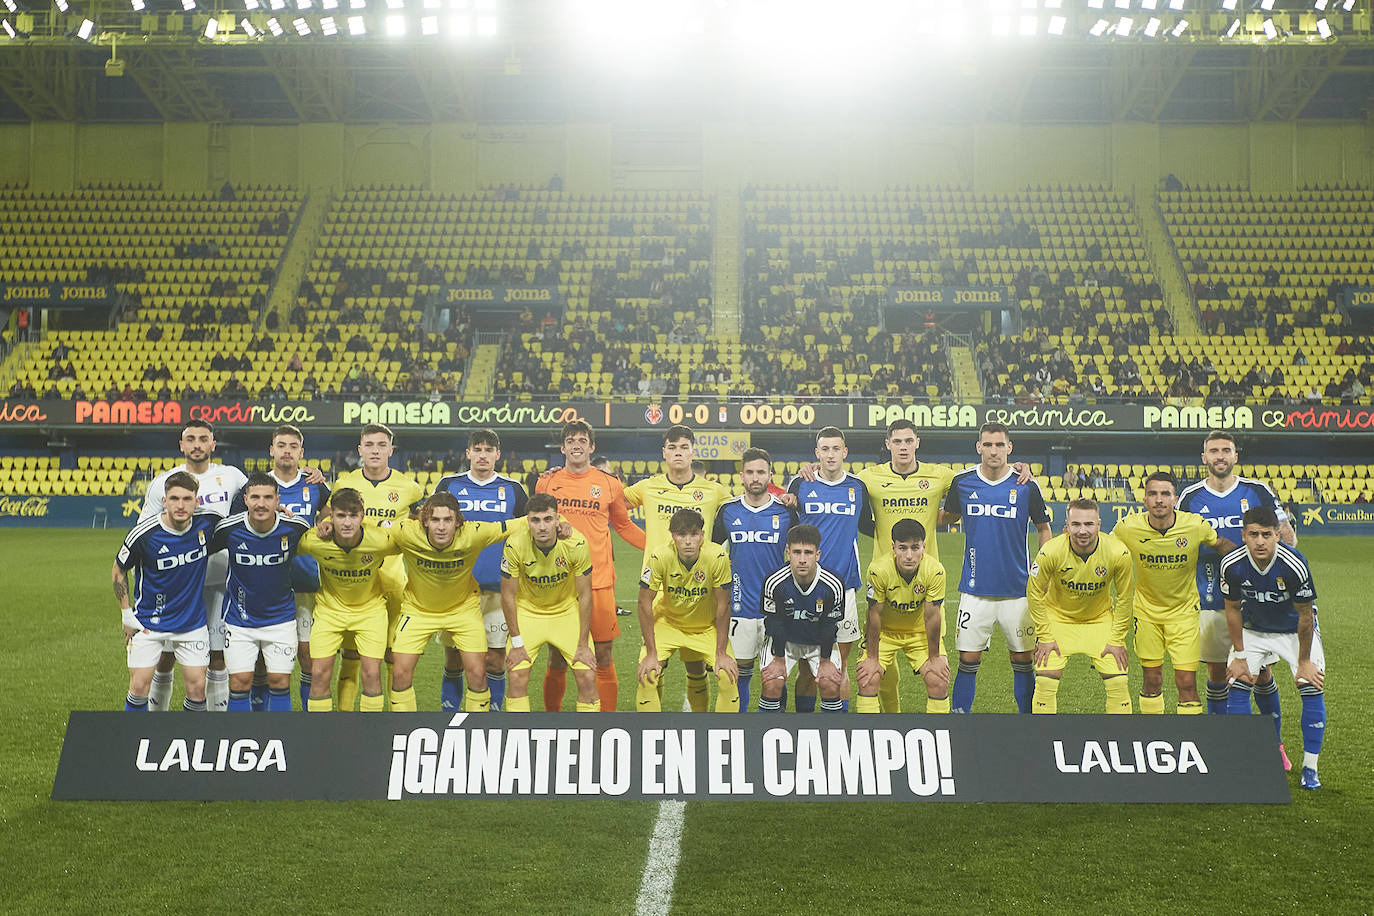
{"x":1046,"y":695}
{"x":371,"y":702}
{"x":404,"y":700}
{"x":319,"y":704}
{"x":746,"y":674}
{"x":348,"y":683}
{"x":190,"y":705}
{"x":727,"y":694}
{"x":863,"y":704}
{"x":1023,"y":685}
{"x":257,"y":695}
{"x":888,"y":698}
{"x":937,"y":706}
{"x":831,"y":705}
{"x":607,"y":687}
{"x":496,"y":686}
{"x":593,"y":706}
{"x":518,"y":704}
{"x":279,"y":699}
{"x":844,"y":706}
{"x":965,"y":686}
{"x":1119,"y":696}
{"x":555,"y":685}
{"x":1309,"y":761}
{"x":647,"y":697}
{"x":239,"y":701}
{"x":806,"y":703}
{"x":476,"y":700}
{"x":698,"y":694}
{"x":1238,"y":702}
{"x":1267,"y":699}
{"x":767,"y":705}
{"x":217,"y":690}
{"x":1189,"y":709}
{"x":1313,"y":723}
{"x":1152,"y":706}
{"x":135,"y":704}
{"x":1217,"y":698}
{"x":451,"y":691}
{"x":160,"y":696}
{"x":782,"y":700}
{"x":304,"y":688}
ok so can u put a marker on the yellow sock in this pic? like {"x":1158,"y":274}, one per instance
{"x":1046,"y":695}
{"x":371,"y":702}
{"x":1153,"y":706}
{"x":348,"y":683}
{"x":888,"y":699}
{"x":1119,"y":696}
{"x":593,"y":706}
{"x":698,"y":694}
{"x":1189,"y":709}
{"x":727,"y":694}
{"x":648,"y":697}
{"x":320,"y":704}
{"x":517,"y":704}
{"x":865,"y":704}
{"x":937,"y":706}
{"x":404,"y":700}
{"x":387,"y":686}
{"x":473,"y":701}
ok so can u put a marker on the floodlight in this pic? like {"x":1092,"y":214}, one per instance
{"x":1027,"y":26}
{"x":1152,"y":28}
{"x":356,"y":25}
{"x":63,"y":5}
{"x":357,"y":4}
{"x":1228,"y":4}
{"x":277,"y":4}
{"x":432,"y":4}
{"x":1270,"y":32}
{"x":1148,"y":4}
{"x":1095,"y":4}
{"x":429,"y":25}
{"x":251,"y":4}
{"x":486,"y":26}
{"x":1057,"y":24}
{"x":1348,"y":5}
{"x":212,"y":27}
{"x":329,"y":27}
{"x":329,"y":4}
{"x":395,"y":4}
{"x":1266,"y":5}
{"x":1179,"y":28}
{"x":1176,"y":4}
{"x":1123,"y":27}
{"x":1054,"y":4}
{"x":137,"y":5}
{"x":188,"y":5}
{"x":1323,"y":28}
{"x":1319,"y":5}
{"x":9,"y":29}
{"x":303,"y":4}
{"x":274,"y":27}
{"x":1098,"y":28}
{"x":1122,"y":4}
{"x":10,"y":5}
{"x":302,"y":27}
{"x":395,"y":26}
{"x":1235,"y":27}
{"x":84,"y":30}
{"x":460,"y":26}
{"x":1028,"y":4}
{"x":248,"y":28}
{"x":1001,"y":25}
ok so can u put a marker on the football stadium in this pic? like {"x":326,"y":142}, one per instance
{"x":680,"y":373}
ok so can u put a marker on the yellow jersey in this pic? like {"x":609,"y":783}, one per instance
{"x":686,"y":595}
{"x":1066,"y":586}
{"x":546,"y":580}
{"x":904,"y":600}
{"x":893,"y":497}
{"x":1165,"y":562}
{"x":440,"y":581}
{"x":660,"y":498}
{"x":385,"y":502}
{"x":348,"y":577}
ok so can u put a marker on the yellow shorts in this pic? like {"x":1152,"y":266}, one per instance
{"x":914,"y":645}
{"x":459,"y":628}
{"x":1179,"y":636}
{"x":556,"y":630}
{"x":1088,"y":638}
{"x":694,"y":647}
{"x":363,"y":629}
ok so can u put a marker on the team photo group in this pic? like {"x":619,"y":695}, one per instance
{"x":240,"y":580}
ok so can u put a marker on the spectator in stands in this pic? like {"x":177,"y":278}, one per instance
{"x":1071,"y":479}
{"x":358,"y":344}
{"x":60,"y":352}
{"x":1099,"y":477}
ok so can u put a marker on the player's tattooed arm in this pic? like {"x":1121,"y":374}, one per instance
{"x":1287,"y":533}
{"x":120,"y":584}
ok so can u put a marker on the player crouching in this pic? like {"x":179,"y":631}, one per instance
{"x":803,"y":605}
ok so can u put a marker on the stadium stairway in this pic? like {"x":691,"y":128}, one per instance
{"x":18,"y":358}
{"x":481,"y":372}
{"x":964,"y":371}
{"x":1173,"y":282}
{"x":725,"y":257}
{"x":296,"y":259}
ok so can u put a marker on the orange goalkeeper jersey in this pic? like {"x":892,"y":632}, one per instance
{"x":592,"y":502}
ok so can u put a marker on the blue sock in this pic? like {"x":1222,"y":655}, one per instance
{"x":190,"y":705}
{"x":1313,"y":721}
{"x":257,"y":695}
{"x":965,"y":685}
{"x":1267,"y":699}
{"x":844,"y":706}
{"x":135,"y":704}
{"x":746,"y":674}
{"x":835,"y":705}
{"x":806,"y":704}
{"x":1217,"y":699}
{"x":305,"y":690}
{"x":496,"y":683}
{"x":451,"y":696}
{"x":1023,"y":684}
{"x":279,"y":700}
{"x":239,"y":702}
{"x":767,"y":705}
{"x":1238,"y":703}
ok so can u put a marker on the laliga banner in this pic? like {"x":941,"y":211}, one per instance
{"x":983,"y":758}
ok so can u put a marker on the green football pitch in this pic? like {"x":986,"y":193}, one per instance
{"x":62,"y":651}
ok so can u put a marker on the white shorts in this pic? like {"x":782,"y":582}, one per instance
{"x":494,"y":619}
{"x":305,"y":615}
{"x":192,"y":648}
{"x":1263,"y":649}
{"x":977,"y":617}
{"x":216,"y":584}
{"x":1214,"y":640}
{"x":849,"y":630}
{"x":277,"y":644}
{"x":746,"y":637}
{"x":796,"y":653}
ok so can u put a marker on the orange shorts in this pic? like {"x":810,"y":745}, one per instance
{"x":605,"y":626}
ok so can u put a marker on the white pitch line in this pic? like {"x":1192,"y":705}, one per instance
{"x":665,"y":849}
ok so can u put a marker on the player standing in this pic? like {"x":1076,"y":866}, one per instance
{"x":166,"y":613}
{"x":997,"y":511}
{"x":1164,"y":545}
{"x":483,"y":496}
{"x":1270,"y":615}
{"x":684,"y":606}
{"x":259,"y":606}
{"x":546,"y":595}
{"x":1075,"y":613}
{"x":754,"y":527}
{"x":593,"y":500}
{"x":803,"y":605}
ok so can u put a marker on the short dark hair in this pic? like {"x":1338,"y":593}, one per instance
{"x":484,"y":437}
{"x":678,"y":431}
{"x":755,"y":454}
{"x":994,"y":427}
{"x":260,"y":479}
{"x":1081,"y":502}
{"x":286,"y":429}
{"x":541,"y":502}
{"x":1221,"y":434}
{"x":373,"y":428}
{"x":901,"y":424}
{"x":347,"y":499}
{"x":804,"y":534}
{"x":830,"y":432}
{"x":441,"y":500}
{"x":1165,"y":476}
{"x":198,"y":424}
{"x":1261,"y":515}
{"x":183,"y":480}
{"x":573,"y":427}
{"x":685,"y":521}
{"x":908,"y":529}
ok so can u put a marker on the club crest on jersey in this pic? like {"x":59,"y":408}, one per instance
{"x":202,"y":536}
{"x":1279,"y":583}
{"x":285,"y":543}
{"x":775,"y":523}
{"x":1244,"y":505}
{"x":1011,"y":497}
{"x":820,"y":606}
{"x":1182,"y":542}
{"x":393,"y":497}
{"x":924,"y":484}
{"x":851,"y":494}
{"x":698,"y":495}
{"x":561,"y":563}
{"x":699,"y":575}
{"x":594,"y":492}
{"x":1100,"y":570}
{"x":653,"y":414}
{"x":500,"y":492}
